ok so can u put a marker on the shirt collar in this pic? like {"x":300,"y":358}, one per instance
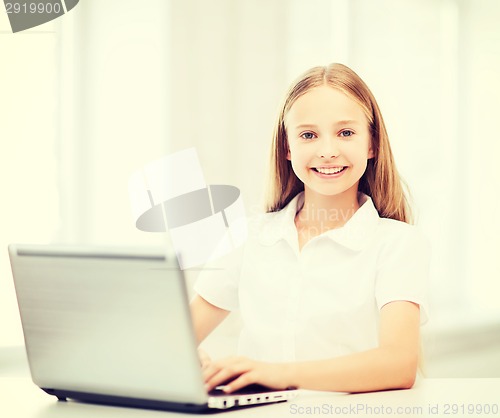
{"x":354,"y":234}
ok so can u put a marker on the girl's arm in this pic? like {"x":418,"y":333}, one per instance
{"x":206,"y":317}
{"x":392,"y":365}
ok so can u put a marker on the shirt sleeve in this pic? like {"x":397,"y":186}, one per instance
{"x":218,"y":281}
{"x":404,"y":271}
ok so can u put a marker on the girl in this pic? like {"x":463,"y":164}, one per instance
{"x":331,"y":281}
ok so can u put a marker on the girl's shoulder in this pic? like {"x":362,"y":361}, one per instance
{"x":397,"y":235}
{"x":267,"y":228}
{"x":394,"y":227}
{"x":266,"y":218}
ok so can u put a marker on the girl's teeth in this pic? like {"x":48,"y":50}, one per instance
{"x":330,"y":170}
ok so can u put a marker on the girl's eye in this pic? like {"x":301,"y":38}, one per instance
{"x":347,"y":133}
{"x":307,"y":135}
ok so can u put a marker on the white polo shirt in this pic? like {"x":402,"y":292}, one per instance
{"x":323,"y":301}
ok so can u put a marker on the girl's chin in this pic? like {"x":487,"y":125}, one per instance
{"x":326,"y":192}
{"x":322,"y":190}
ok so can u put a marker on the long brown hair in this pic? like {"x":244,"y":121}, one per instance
{"x":381,"y":180}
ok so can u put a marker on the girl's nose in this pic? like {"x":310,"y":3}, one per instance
{"x":328,"y":148}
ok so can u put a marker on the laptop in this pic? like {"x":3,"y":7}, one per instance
{"x":113,"y":326}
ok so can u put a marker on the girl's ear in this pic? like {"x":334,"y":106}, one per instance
{"x":288,"y":156}
{"x":371,"y":153}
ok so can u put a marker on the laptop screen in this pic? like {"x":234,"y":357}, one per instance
{"x":107,"y":320}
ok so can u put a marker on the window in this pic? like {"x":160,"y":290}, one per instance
{"x":28,"y":160}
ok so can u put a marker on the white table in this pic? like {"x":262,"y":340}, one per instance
{"x":20,"y":398}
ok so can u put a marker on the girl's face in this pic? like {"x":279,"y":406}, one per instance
{"x":329,"y":141}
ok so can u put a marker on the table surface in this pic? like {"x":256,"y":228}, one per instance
{"x":20,"y":398}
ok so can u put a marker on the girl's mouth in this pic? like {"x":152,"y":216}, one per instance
{"x":328,"y":171}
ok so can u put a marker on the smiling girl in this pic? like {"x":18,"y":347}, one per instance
{"x":331,"y":281}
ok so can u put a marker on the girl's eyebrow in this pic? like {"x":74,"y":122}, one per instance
{"x":347,"y":122}
{"x":306,"y":126}
{"x":340,"y":122}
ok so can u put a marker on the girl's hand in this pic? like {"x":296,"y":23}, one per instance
{"x":242,"y":371}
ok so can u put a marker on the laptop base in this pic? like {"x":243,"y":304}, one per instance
{"x":63,"y":395}
{"x":120,"y":401}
